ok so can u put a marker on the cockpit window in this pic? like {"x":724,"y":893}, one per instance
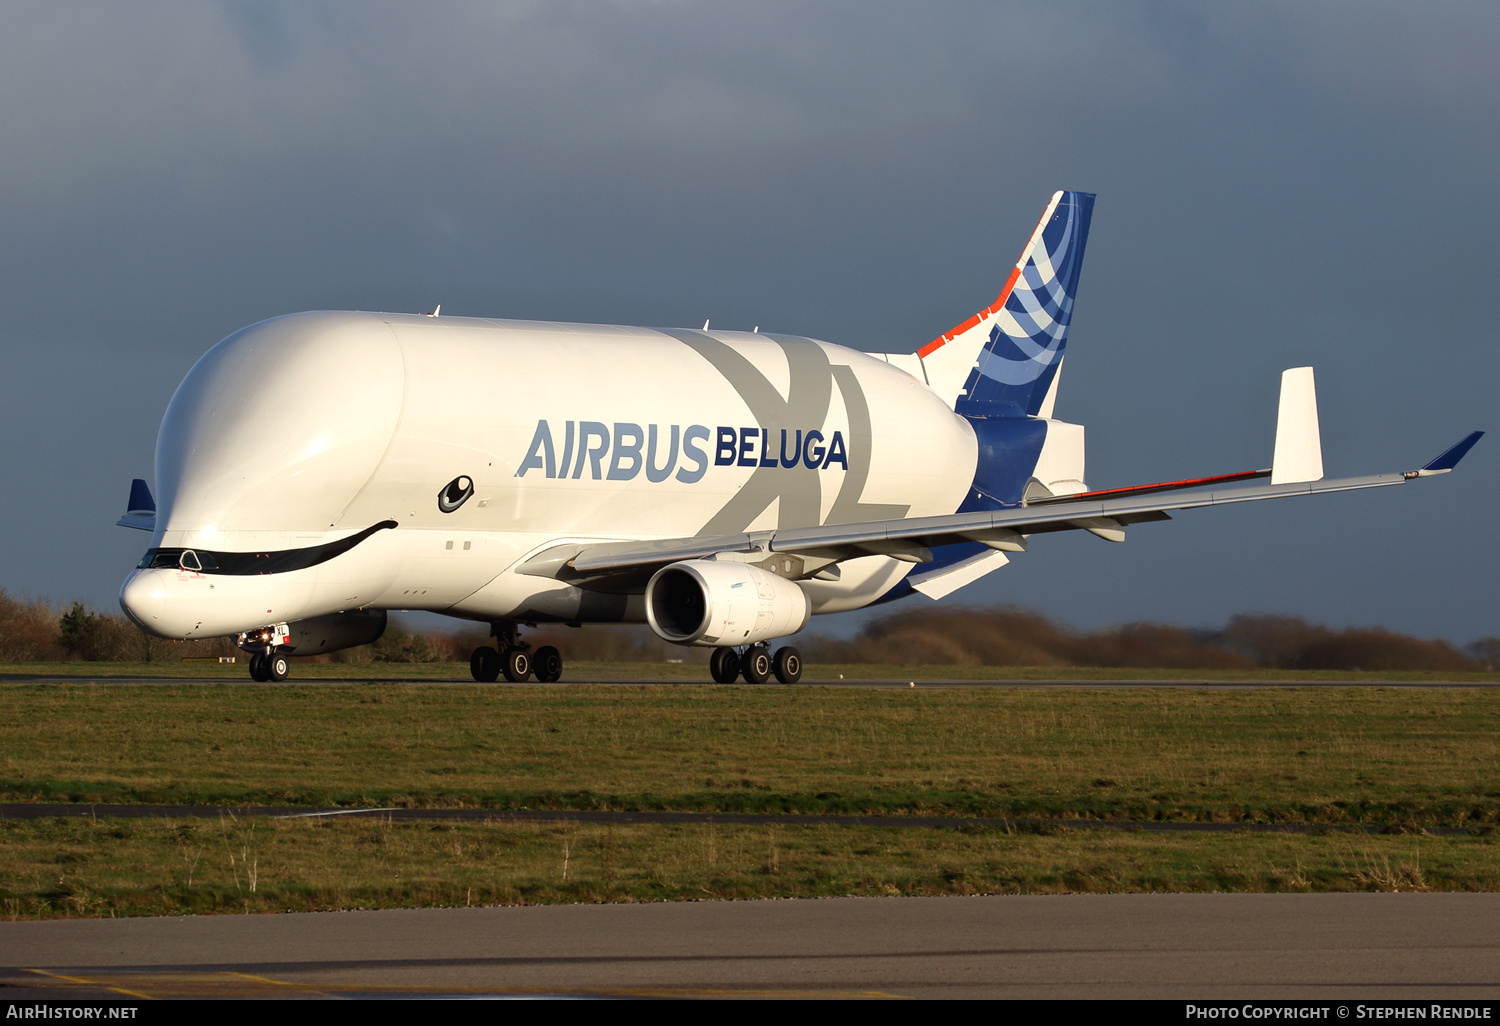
{"x":160,"y":559}
{"x":173,"y":559}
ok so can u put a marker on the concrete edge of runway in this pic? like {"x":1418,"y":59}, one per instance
{"x":29,"y":810}
{"x":1216,"y":946}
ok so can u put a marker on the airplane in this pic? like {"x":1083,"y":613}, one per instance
{"x":318,"y":469}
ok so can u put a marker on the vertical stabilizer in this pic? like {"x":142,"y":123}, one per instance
{"x":1004,"y":360}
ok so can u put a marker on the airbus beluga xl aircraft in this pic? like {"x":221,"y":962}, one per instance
{"x":720,"y":486}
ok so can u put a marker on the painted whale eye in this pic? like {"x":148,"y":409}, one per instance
{"x":455,"y":493}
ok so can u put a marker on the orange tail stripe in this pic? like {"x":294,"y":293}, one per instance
{"x":994,"y":307}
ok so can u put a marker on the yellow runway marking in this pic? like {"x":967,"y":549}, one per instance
{"x":90,"y":983}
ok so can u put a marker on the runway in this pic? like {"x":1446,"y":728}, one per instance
{"x":1170,"y":946}
{"x":905,"y":683}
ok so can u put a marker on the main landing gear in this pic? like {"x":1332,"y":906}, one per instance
{"x":515,"y":659}
{"x":756,"y":664}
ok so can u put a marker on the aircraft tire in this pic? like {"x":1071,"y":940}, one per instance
{"x":276,"y":667}
{"x":517,"y":665}
{"x":788,"y":665}
{"x":258,"y":669}
{"x":484,"y":664}
{"x":546,"y":664}
{"x":757,"y":665}
{"x":724,"y":665}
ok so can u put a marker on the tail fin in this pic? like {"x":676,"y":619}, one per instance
{"x":141,"y":512}
{"x":1007,"y":356}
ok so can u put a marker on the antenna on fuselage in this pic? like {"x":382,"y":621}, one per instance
{"x":705,"y":324}
{"x":436,"y":310}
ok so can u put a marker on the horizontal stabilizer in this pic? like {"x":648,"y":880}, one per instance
{"x":1450,"y":457}
{"x":1299,"y":448}
{"x":140,"y":513}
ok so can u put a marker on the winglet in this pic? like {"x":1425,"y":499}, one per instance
{"x":141,"y":512}
{"x":1299,"y":448}
{"x":1450,"y":457}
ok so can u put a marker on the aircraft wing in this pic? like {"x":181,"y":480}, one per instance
{"x":625,"y":566}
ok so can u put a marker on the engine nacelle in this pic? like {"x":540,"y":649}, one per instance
{"x":321,"y":634}
{"x":708,"y":602}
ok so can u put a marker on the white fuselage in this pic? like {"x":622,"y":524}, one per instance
{"x":311,"y":428}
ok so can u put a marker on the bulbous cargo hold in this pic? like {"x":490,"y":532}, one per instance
{"x":320,"y":462}
{"x":719,"y":603}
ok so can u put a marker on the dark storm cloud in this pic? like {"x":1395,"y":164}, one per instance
{"x":1279,"y":185}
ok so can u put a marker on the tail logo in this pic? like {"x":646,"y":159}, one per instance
{"x":1031,"y":328}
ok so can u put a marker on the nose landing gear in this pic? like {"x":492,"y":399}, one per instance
{"x":266,"y":664}
{"x":515,"y":659}
{"x":270,"y":667}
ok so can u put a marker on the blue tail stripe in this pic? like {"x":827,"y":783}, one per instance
{"x":1017,"y":366}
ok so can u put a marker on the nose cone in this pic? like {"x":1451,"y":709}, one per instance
{"x":278,"y":427}
{"x":175,"y":603}
{"x":144,"y":599}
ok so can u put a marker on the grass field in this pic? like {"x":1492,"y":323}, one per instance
{"x":104,"y":867}
{"x":1400,"y":758}
{"x":1373,"y":755}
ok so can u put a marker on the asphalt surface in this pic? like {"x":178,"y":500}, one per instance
{"x":1177,"y":946}
{"x":898,"y":684}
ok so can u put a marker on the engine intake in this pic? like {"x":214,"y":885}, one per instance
{"x":714,"y":603}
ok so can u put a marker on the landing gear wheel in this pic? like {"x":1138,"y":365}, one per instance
{"x":517,"y":665}
{"x":258,"y":669}
{"x":547,"y":664}
{"x":724,"y":665}
{"x":276,"y":667}
{"x":484,"y":664}
{"x":788,"y":665}
{"x":757,"y":665}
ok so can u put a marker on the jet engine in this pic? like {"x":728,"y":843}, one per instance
{"x":722,"y":603}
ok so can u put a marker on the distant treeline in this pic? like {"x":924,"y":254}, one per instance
{"x":36,"y":631}
{"x":1008,"y":636}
